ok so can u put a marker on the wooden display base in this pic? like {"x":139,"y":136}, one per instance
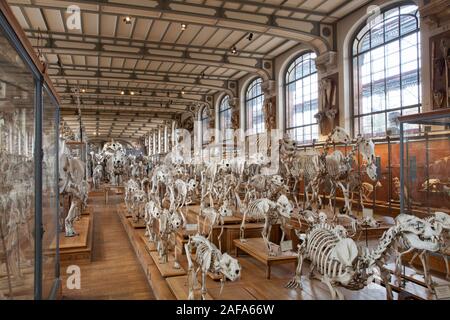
{"x":140,"y":224}
{"x":122,"y":209}
{"x":96,"y":192}
{"x":180,"y":288}
{"x":413,"y":284}
{"x":78,"y":247}
{"x":151,"y":246}
{"x":167,"y":269}
{"x":230,"y":291}
{"x":87,"y":211}
{"x":256,"y":248}
{"x":118,"y":190}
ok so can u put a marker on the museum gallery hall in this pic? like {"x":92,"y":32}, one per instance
{"x":224,"y":150}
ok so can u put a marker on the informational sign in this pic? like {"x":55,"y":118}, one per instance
{"x":191,"y":227}
{"x":286,"y":246}
{"x":442,"y":292}
{"x":367,"y":212}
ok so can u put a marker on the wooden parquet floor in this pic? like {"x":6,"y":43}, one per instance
{"x":114,"y":272}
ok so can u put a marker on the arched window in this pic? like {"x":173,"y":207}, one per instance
{"x":254,"y":99}
{"x":386,"y":71}
{"x":302,"y":99}
{"x":205,"y":126}
{"x":225,"y":119}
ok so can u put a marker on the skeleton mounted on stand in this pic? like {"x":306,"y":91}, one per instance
{"x":72,"y":183}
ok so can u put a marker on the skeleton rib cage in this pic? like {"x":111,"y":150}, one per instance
{"x":319,"y":249}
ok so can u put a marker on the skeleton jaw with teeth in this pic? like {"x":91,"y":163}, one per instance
{"x":419,"y":233}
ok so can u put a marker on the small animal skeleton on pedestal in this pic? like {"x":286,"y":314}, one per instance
{"x":208,"y":259}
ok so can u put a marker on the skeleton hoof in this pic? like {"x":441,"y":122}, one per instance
{"x":294,"y":284}
{"x":71,"y":233}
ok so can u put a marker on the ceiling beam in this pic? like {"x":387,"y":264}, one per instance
{"x":152,"y":110}
{"x":138,"y":71}
{"x":110,"y":77}
{"x":121,"y":51}
{"x":44,"y":34}
{"x":200,"y":14}
{"x":153,"y":92}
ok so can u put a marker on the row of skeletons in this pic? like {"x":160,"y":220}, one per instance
{"x":16,"y":218}
{"x":334,"y":257}
{"x":269,"y":198}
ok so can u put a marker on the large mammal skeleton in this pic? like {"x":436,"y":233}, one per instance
{"x":208,"y":259}
{"x":439,"y":222}
{"x":72,"y":181}
{"x":272,"y":212}
{"x":339,"y":262}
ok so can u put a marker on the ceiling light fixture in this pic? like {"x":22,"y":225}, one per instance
{"x":183,"y":26}
{"x":122,"y":92}
{"x":250,"y":36}
{"x":234,"y":50}
{"x":83,"y":90}
{"x":132,"y":93}
{"x":127,"y":20}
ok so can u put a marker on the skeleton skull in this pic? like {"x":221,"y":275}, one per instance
{"x":285,"y":207}
{"x":230,"y":267}
{"x":419,"y":233}
{"x":371,"y":171}
{"x":176,"y":221}
{"x":277,"y":180}
{"x":225,"y":211}
{"x":192,"y":184}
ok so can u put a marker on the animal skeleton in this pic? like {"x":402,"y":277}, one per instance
{"x":212,"y":218}
{"x":271,"y":212}
{"x":208,"y":259}
{"x":169,"y":223}
{"x":182,"y":189}
{"x":431,"y":184}
{"x":437,"y":225}
{"x":367,"y":189}
{"x":97,"y":176}
{"x":71,"y":174}
{"x":338,"y":261}
{"x":152,"y":214}
{"x":139,"y":198}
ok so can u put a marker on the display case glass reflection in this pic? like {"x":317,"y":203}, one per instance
{"x":49,"y":193}
{"x":425,"y":163}
{"x":17,"y":118}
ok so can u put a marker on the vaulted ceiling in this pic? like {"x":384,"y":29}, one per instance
{"x":132,"y":75}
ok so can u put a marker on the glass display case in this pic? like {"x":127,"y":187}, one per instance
{"x":28,"y":174}
{"x":425,"y":163}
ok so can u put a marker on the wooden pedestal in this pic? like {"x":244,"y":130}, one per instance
{"x":140,"y":224}
{"x":167,"y":269}
{"x":78,"y":247}
{"x":256,"y":248}
{"x":151,"y":246}
{"x":180,"y":288}
{"x":87,"y":211}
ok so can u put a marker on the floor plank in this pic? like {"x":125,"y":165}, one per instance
{"x":114,"y":272}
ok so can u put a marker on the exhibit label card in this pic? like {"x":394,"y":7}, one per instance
{"x":191,"y":226}
{"x":442,"y":292}
{"x":286,"y":245}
